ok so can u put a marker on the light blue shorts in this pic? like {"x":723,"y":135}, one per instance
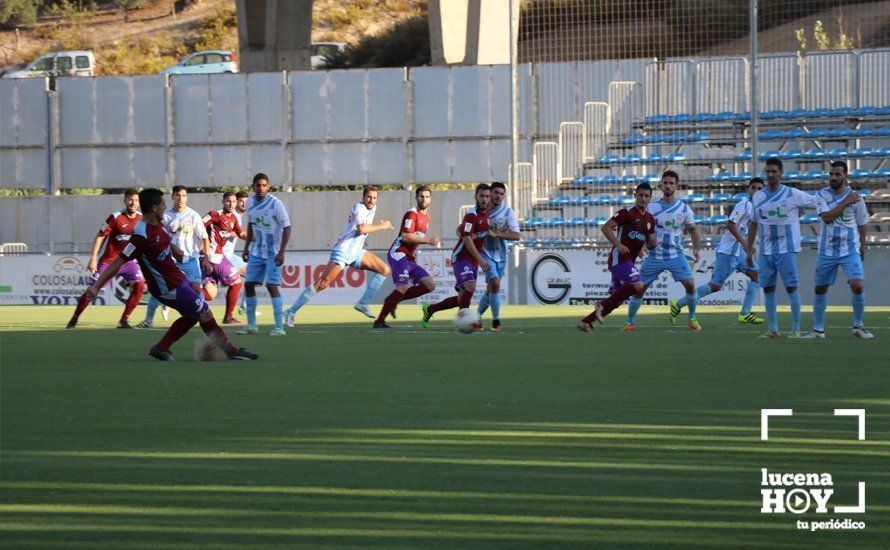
{"x":345,"y":259}
{"x":652,"y":268}
{"x":237,"y":261}
{"x":263,"y":271}
{"x":826,"y":268}
{"x":784,"y":265}
{"x":496,"y":270}
{"x":192,"y":270}
{"x":726,"y":265}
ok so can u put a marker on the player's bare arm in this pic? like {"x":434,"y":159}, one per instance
{"x":285,"y":236}
{"x":93,"y":264}
{"x":863,"y":233}
{"x":208,"y":252}
{"x":749,"y":245}
{"x":367,"y":229}
{"x":178,"y":254}
{"x":471,"y":249}
{"x":608,"y":230}
{"x":733,"y":229}
{"x":831,"y":215}
{"x":410,"y":238}
{"x":247,"y":240}
{"x":696,"y":241}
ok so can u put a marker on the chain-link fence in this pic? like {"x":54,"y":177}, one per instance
{"x":620,"y":90}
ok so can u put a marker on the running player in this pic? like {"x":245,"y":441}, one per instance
{"x":405,"y":270}
{"x":777,"y":215}
{"x":349,"y":251}
{"x":268,"y":230}
{"x":466,"y":259}
{"x":223,"y":226}
{"x":841,"y":244}
{"x":117,"y":230}
{"x":636,"y":227}
{"x":152,"y":247}
{"x":731,"y":258}
{"x":502,"y":219}
{"x":673,"y":218}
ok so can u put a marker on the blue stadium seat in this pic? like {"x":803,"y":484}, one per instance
{"x":602,"y":200}
{"x":843,"y":112}
{"x":652,"y":179}
{"x":610,"y":179}
{"x":575,"y":222}
{"x":561,"y":200}
{"x":864,"y":193}
{"x":770,"y":153}
{"x":813,"y":175}
{"x":632,"y":140}
{"x":738,"y":197}
{"x":654,"y":157}
{"x":810,"y":239}
{"x":881,"y":152}
{"x":675,"y":157}
{"x":699,"y":220}
{"x":630,"y":159}
{"x":724,"y":116}
{"x":703,"y":117}
{"x":880,"y":173}
{"x":797,"y":113}
{"x":682,"y":118}
{"x":772,"y":134}
{"x":819,"y":113}
{"x":657,"y":119}
{"x":587,"y":180}
{"x":626,"y":200}
{"x":860,"y":173}
{"x":791,"y":154}
{"x":838,"y":133}
{"x":743,"y":116}
{"x":554,"y":222}
{"x":610,"y":159}
{"x":697,"y":137}
{"x":720,"y":176}
{"x":693,"y":198}
{"x":742,"y":176}
{"x":883,"y":131}
{"x":861,"y":152}
{"x":865,"y":131}
{"x":883,"y":111}
{"x":744,"y":155}
{"x":718,"y":198}
{"x":866,"y":111}
{"x":717,"y":219}
{"x":809,"y":219}
{"x":840,"y":153}
{"x":814,"y":154}
{"x":772,"y":115}
{"x":817,"y":133}
{"x":583,"y":200}
{"x":629,"y":179}
{"x":532,"y":223}
{"x":599,"y":221}
{"x":791,"y":175}
{"x":794,"y":133}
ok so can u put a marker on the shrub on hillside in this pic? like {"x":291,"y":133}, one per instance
{"x":405,"y":44}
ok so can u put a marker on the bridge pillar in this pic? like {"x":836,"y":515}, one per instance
{"x":274,"y":35}
{"x":471,"y":32}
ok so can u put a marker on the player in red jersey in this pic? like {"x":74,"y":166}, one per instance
{"x":151,"y":246}
{"x":415,"y":224}
{"x":636,"y":227}
{"x":467,"y":256}
{"x":117,"y":230}
{"x":222,"y":226}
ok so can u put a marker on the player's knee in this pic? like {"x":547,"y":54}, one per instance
{"x":856,"y":287}
{"x":713,"y":287}
{"x":769,"y":289}
{"x":689,"y":286}
{"x":790,"y":289}
{"x":430,"y":285}
{"x":321,"y":284}
{"x":469,"y":286}
{"x":205,"y":316}
{"x":753,"y":276}
{"x":820,"y":290}
{"x":494,"y":286}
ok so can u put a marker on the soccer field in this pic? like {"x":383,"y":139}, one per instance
{"x":539,"y":435}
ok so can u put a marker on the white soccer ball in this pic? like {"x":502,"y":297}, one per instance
{"x":467,"y":320}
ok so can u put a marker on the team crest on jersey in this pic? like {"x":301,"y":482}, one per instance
{"x":408,"y":223}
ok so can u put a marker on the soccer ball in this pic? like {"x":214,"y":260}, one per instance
{"x":467,"y":320}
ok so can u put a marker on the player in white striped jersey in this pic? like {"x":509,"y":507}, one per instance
{"x":268,"y":230}
{"x":777,"y":217}
{"x":731,"y":258}
{"x":673,"y":218}
{"x":843,"y":218}
{"x":186,"y":229}
{"x":349,"y":251}
{"x":501,"y":219}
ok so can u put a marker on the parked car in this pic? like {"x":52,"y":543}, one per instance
{"x":320,"y":50}
{"x":210,"y":61}
{"x":67,"y":63}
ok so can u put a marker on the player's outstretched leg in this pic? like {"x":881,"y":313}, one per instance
{"x":633,"y":306}
{"x":772,"y":316}
{"x":745,"y":315}
{"x":371,"y":262}
{"x":794,"y":301}
{"x":137,"y":290}
{"x":327,"y":276}
{"x":231,"y":301}
{"x":82,"y":303}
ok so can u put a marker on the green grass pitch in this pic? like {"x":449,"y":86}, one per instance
{"x":340,"y":435}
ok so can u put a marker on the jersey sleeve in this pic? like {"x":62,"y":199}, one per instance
{"x":821,"y":203}
{"x":237,"y":226}
{"x":281,"y":214}
{"x":738,"y":213}
{"x":108,"y":225}
{"x":208,"y":219}
{"x":804,"y":200}
{"x":622,"y":217}
{"x":861,"y":213}
{"x":689,"y":220}
{"x":200,"y":229}
{"x":409,"y":222}
{"x":133,"y":247}
{"x":512,"y":222}
{"x":468,"y":223}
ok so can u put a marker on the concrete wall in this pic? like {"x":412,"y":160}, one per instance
{"x":71,"y":222}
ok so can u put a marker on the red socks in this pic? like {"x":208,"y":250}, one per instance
{"x":464,"y":298}
{"x":212,"y":330}
{"x":614,"y":301}
{"x":389,"y":305}
{"x":176,"y":331}
{"x":415,"y":291}
{"x":447,"y":303}
{"x":136,"y":292}
{"x":232,"y":299}
{"x":82,"y":304}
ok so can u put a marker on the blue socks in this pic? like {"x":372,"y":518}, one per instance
{"x":820,"y":303}
{"x":769,"y":301}
{"x":858,"y":301}
{"x":633,"y":306}
{"x":495,"y":299}
{"x":750,"y":296}
{"x":483,"y":304}
{"x":150,"y":308}
{"x":251,"y":310}
{"x":303,"y":299}
{"x":277,"y":313}
{"x":794,"y":299}
{"x":374,"y":284}
{"x":692,"y":302}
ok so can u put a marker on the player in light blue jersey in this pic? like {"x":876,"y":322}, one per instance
{"x":673,"y":218}
{"x":777,"y":217}
{"x":349,"y":251}
{"x":186,"y":229}
{"x":841,"y":244}
{"x":731,"y":253}
{"x":503,"y":223}
{"x":268,"y":230}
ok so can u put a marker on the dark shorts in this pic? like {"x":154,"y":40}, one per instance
{"x":624,"y":273}
{"x":129,"y":271}
{"x":185,"y":300}
{"x":222,"y":273}
{"x":404,"y":271}
{"x":464,"y":271}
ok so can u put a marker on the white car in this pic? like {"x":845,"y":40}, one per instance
{"x":66,"y":63}
{"x":320,"y":50}
{"x":210,"y":61}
